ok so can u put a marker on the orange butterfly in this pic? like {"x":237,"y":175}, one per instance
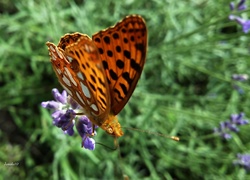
{"x":101,"y":73}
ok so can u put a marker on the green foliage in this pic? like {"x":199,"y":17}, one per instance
{"x":185,"y":90}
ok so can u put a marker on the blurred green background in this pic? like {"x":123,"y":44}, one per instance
{"x":185,"y":90}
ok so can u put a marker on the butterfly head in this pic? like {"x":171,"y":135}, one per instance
{"x":112,"y":126}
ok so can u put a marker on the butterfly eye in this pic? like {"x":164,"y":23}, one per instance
{"x":110,"y":130}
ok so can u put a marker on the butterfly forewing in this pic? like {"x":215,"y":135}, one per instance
{"x":82,"y":75}
{"x":122,"y":49}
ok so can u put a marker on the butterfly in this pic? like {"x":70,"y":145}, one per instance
{"x":101,"y":73}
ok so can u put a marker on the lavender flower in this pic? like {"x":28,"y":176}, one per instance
{"x":230,"y":125}
{"x":238,"y":88}
{"x":84,"y":128}
{"x":244,"y":23}
{"x":243,"y":161}
{"x":239,"y":7}
{"x":240,"y":77}
{"x":64,"y":114}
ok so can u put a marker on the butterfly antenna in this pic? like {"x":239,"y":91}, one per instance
{"x":125,"y":176}
{"x":120,"y":164}
{"x":110,"y":148}
{"x":104,"y":145}
{"x":175,"y":138}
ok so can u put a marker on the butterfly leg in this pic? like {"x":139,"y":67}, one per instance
{"x":93,"y":130}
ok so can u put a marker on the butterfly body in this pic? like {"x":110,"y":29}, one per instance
{"x":101,"y":73}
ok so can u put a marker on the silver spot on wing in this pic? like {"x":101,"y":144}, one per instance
{"x":52,"y":48}
{"x":58,"y":71}
{"x":79,"y":74}
{"x":94,"y":107}
{"x":70,"y":76}
{"x":79,"y":97}
{"x":69,"y":59}
{"x":85,"y":90}
{"x":66,"y":80}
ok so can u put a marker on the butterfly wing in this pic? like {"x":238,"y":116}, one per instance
{"x":122,"y":49}
{"x":79,"y":69}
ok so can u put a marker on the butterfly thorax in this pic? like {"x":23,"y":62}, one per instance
{"x":112,"y":126}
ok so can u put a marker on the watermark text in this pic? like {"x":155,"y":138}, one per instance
{"x":11,"y":163}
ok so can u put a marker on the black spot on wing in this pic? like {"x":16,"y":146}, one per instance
{"x":83,"y":66}
{"x":125,"y":75}
{"x":127,"y":54}
{"x":97,"y":40}
{"x":124,"y":89}
{"x":100,"y":50}
{"x":120,"y":64}
{"x":77,"y":54}
{"x":118,"y":93}
{"x":125,"y":40}
{"x":74,"y":65}
{"x":81,"y":52}
{"x":115,"y":36}
{"x":135,"y":65}
{"x":63,"y":46}
{"x":101,"y":82}
{"x":118,"y":49}
{"x":110,"y":53}
{"x":113,"y":75}
{"x":105,"y":64}
{"x":103,"y":103}
{"x":101,"y":91}
{"x":106,"y":40}
{"x":139,"y":46}
{"x":132,"y":38}
{"x":93,"y":70}
{"x":92,"y":86}
{"x":93,"y":78}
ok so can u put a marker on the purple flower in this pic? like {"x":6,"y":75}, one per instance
{"x":85,"y":129}
{"x":231,"y":125}
{"x":238,"y":88}
{"x":64,"y":120}
{"x":65,"y":112}
{"x":238,"y":119}
{"x":240,"y":77}
{"x":243,"y":161}
{"x":62,"y":98}
{"x":244,"y":23}
{"x":240,"y":6}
